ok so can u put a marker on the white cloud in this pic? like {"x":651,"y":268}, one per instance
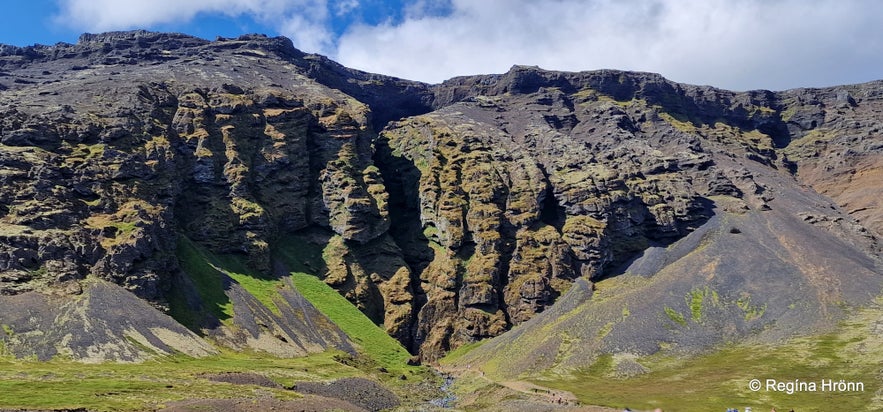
{"x":745,"y":44}
{"x":308,"y":35}
{"x":737,"y":44}
{"x":343,"y":7}
{"x":304,"y":21}
{"x":99,"y":15}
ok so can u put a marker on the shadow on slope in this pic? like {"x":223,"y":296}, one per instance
{"x":239,"y":308}
{"x":300,"y":256}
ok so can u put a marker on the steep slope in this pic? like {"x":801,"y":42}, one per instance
{"x":116,"y":148}
{"x":536,"y":178}
{"x":104,"y":323}
{"x":836,"y":146}
{"x":179,"y":169}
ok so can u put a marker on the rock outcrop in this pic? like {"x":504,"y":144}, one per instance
{"x":447,"y":213}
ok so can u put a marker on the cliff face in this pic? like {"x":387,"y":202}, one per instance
{"x":528,"y":180}
{"x":446,"y":213}
{"x":115,"y":148}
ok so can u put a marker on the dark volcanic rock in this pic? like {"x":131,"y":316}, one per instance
{"x":105,"y":323}
{"x":241,"y":378}
{"x":358,"y":391}
{"x":447,"y":213}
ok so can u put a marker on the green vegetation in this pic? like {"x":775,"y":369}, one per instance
{"x":605,"y":330}
{"x":93,"y":203}
{"x":246,"y":209}
{"x":603,"y":365}
{"x":751,"y":311}
{"x":208,"y":281}
{"x":789,"y":112}
{"x":458,"y":353}
{"x":719,"y":379}
{"x":678,"y":122}
{"x":304,"y":257}
{"x":264,"y":289}
{"x":374,"y":342}
{"x":695,"y":299}
{"x":300,"y":255}
{"x":61,"y":384}
{"x":810,"y":144}
{"x":430,"y":232}
{"x":207,"y":272}
{"x":675,"y":316}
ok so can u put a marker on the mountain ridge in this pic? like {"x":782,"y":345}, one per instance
{"x":447,"y":213}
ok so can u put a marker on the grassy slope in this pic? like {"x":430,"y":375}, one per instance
{"x":208,"y":282}
{"x":374,"y":342}
{"x":719,"y":380}
{"x":62,"y":384}
{"x":207,"y":271}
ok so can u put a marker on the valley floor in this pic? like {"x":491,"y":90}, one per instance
{"x":231,"y":381}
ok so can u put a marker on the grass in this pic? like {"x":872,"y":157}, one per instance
{"x":697,"y":297}
{"x":263,"y":287}
{"x":207,"y":272}
{"x":675,"y":316}
{"x":751,"y":311}
{"x":374,"y":342}
{"x":719,"y":380}
{"x":458,"y":353}
{"x":66,"y":384}
{"x":305,"y":258}
{"x":60,"y":384}
{"x":209,"y":283}
{"x":678,"y":123}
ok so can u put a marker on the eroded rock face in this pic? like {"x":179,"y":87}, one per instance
{"x":104,"y":167}
{"x":520,"y":203}
{"x":133,"y":140}
{"x":446,"y":213}
{"x":527,"y":180}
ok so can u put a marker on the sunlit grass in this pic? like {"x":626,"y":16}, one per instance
{"x":60,"y":384}
{"x":302,"y":256}
{"x":719,"y":380}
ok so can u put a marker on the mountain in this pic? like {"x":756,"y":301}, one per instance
{"x":160,"y":188}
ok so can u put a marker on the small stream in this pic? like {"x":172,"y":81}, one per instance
{"x":448,"y":400}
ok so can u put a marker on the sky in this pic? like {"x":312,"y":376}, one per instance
{"x":732,"y":44}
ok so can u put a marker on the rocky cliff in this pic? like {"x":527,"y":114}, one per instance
{"x":447,"y":213}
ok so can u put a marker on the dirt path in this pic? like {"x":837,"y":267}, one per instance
{"x":555,"y":397}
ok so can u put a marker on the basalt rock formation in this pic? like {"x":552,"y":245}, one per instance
{"x":447,"y":213}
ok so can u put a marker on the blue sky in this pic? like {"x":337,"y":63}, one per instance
{"x":734,"y":44}
{"x":28,"y":22}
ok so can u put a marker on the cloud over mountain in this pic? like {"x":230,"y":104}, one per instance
{"x":733,"y":44}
